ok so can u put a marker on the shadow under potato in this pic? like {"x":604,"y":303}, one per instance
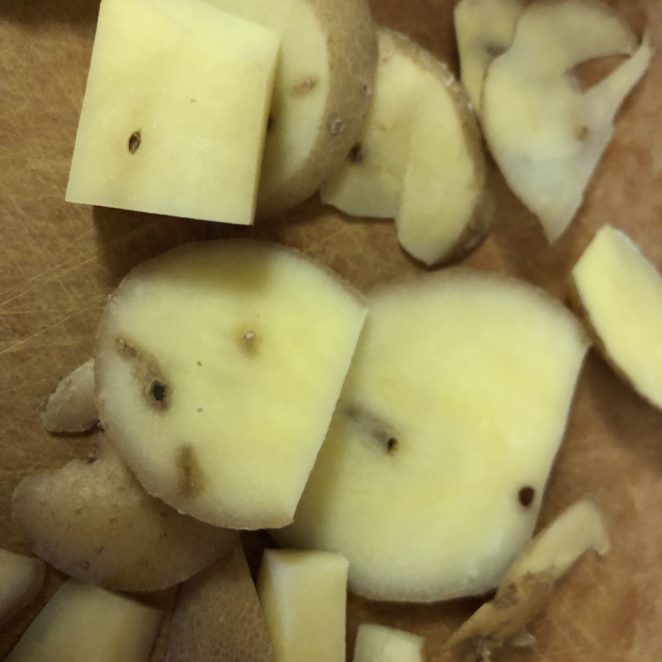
{"x":49,"y":11}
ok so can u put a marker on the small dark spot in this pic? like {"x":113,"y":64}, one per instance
{"x":305,"y":86}
{"x":163,"y":513}
{"x":199,"y":363}
{"x":91,"y":458}
{"x":366,"y":89}
{"x":336,"y":125}
{"x":125,"y":348}
{"x":78,"y":511}
{"x":392,"y":445}
{"x":526,"y":496}
{"x":191,"y":478}
{"x":270,"y":123}
{"x":135,"y":139}
{"x":249,"y":342}
{"x":199,"y":410}
{"x":158,"y":391}
{"x":494,"y":50}
{"x":356,"y":154}
{"x":193,"y":100}
{"x":84,"y":565}
{"x":112,"y":520}
{"x":98,"y":550}
{"x":582,"y":133}
{"x":374,"y":428}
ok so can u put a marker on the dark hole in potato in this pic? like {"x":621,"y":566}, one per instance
{"x":134,"y":141}
{"x":158,"y":391}
{"x":356,"y":154}
{"x":526,"y":496}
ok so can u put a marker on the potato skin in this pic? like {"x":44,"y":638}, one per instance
{"x":93,"y":521}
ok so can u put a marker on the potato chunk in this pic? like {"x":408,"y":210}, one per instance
{"x":378,"y":643}
{"x":21,"y":578}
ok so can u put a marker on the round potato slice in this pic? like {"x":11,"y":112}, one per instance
{"x":322,"y":91}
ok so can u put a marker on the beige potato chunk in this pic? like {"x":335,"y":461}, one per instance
{"x":378,"y":643}
{"x":72,"y":407}
{"x":619,"y":293}
{"x":218,"y":617}
{"x":21,"y":578}
{"x":95,"y":522}
{"x":82,"y":623}
{"x":546,"y":134}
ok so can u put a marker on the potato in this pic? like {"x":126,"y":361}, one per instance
{"x":218,"y":617}
{"x":435,"y":465}
{"x":217,"y":370}
{"x":525,"y":588}
{"x":322,"y":92}
{"x":378,"y":643}
{"x":95,"y":522}
{"x":72,"y":408}
{"x":21,"y":578}
{"x":175,"y":111}
{"x":546,"y":134}
{"x":304,"y":597}
{"x":619,"y":294}
{"x":83,"y":623}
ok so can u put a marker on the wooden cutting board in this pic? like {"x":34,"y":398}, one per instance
{"x":58,"y":262}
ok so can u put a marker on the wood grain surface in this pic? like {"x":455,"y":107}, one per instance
{"x":58,"y":263}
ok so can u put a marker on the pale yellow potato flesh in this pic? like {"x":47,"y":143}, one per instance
{"x":304,"y":598}
{"x":218,"y":368}
{"x":82,"y":623}
{"x":455,"y":374}
{"x":175,"y":111}
{"x":21,"y":578}
{"x":322,"y":93}
{"x":93,"y":521}
{"x":378,"y":643}
{"x":620,"y":295}
{"x":72,"y":408}
{"x":546,"y":134}
{"x":484,"y":29}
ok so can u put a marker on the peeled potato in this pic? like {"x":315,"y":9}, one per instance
{"x":378,"y":643}
{"x":322,"y":91}
{"x":95,"y":522}
{"x":21,"y":578}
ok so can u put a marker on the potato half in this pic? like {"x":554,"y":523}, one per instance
{"x":21,"y":578}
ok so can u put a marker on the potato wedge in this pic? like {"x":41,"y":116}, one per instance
{"x":21,"y":578}
{"x":95,"y":522}
{"x":378,"y":643}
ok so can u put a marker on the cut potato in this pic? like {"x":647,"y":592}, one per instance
{"x":82,"y":623}
{"x":218,"y":617}
{"x":484,"y":29}
{"x":72,"y":407}
{"x":21,"y":578}
{"x":175,"y":111}
{"x":95,"y":522}
{"x":526,"y":586}
{"x":304,"y":597}
{"x":322,"y":91}
{"x":620,"y":295}
{"x":545,"y":133}
{"x":378,"y":643}
{"x":218,"y":368}
{"x":435,"y":464}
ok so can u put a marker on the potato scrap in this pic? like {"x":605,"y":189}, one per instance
{"x":21,"y":579}
{"x":378,"y":643}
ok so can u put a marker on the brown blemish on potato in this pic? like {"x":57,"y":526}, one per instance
{"x":336,"y":125}
{"x":304,"y":87}
{"x":249,"y":341}
{"x":373,"y":427}
{"x":356,"y":154}
{"x":495,"y":50}
{"x":135,"y":140}
{"x":191,"y":478}
{"x":582,"y":133}
{"x":270,"y":123}
{"x":526,"y":495}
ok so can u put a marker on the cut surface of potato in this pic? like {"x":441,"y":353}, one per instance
{"x":484,"y":29}
{"x":217,"y":370}
{"x":545,"y":133}
{"x":95,"y":522}
{"x":21,"y":578}
{"x":620,"y":295}
{"x":175,"y":111}
{"x":378,"y":643}
{"x":72,"y":408}
{"x":321,"y":95}
{"x":525,"y":588}
{"x":304,"y":597}
{"x":219,"y":617}
{"x":82,"y":623}
{"x":435,"y":464}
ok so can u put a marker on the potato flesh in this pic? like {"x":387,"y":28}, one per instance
{"x":378,"y":643}
{"x":545,"y":133}
{"x":454,"y":375}
{"x":96,"y":523}
{"x":252,"y":367}
{"x":175,"y":111}
{"x":82,"y":623}
{"x":484,"y":29}
{"x":304,"y":596}
{"x":21,"y":578}
{"x":621,"y":295}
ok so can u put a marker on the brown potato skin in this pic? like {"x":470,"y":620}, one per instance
{"x":352,"y":44}
{"x":93,"y":521}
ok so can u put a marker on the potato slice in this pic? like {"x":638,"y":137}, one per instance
{"x":218,"y":368}
{"x":620,"y":296}
{"x":526,"y":586}
{"x":545,"y":133}
{"x":95,"y":522}
{"x":21,"y":578}
{"x":83,"y":623}
{"x":378,"y":643}
{"x":322,"y":91}
{"x":72,"y":407}
{"x":304,"y":597}
{"x":455,"y":374}
{"x":218,"y":616}
{"x":484,"y":29}
{"x":175,"y":111}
